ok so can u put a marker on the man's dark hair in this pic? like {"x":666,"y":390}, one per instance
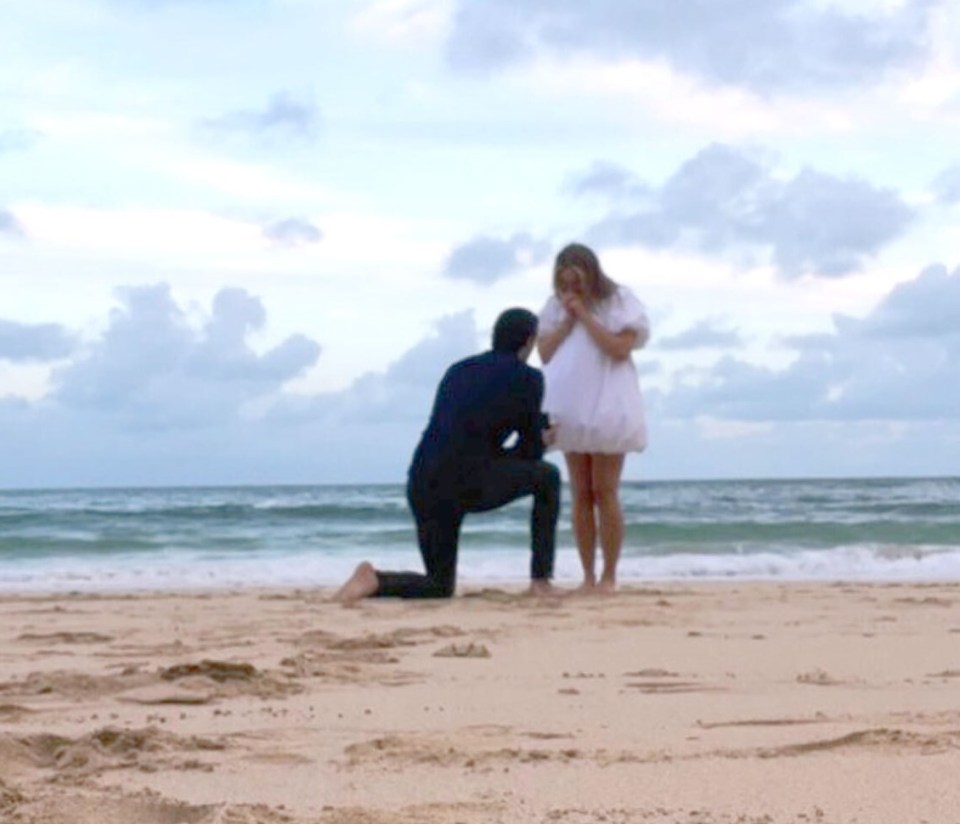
{"x":513,"y":329}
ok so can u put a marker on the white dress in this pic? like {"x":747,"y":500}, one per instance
{"x":594,"y":400}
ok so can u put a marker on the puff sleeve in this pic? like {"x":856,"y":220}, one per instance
{"x":627,"y":312}
{"x":551,"y":316}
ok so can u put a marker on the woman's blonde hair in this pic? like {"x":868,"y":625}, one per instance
{"x":578,"y":256}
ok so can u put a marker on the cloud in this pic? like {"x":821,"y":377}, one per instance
{"x":728,"y":199}
{"x":410,"y":22}
{"x":17,"y":140}
{"x":9,"y":224}
{"x":161,"y":5}
{"x":706,"y":448}
{"x":22,"y":342}
{"x":766,"y":46}
{"x":486,"y":260}
{"x":292,"y":231}
{"x":404,"y":389}
{"x":947,"y":185}
{"x":610,"y":180}
{"x":927,"y":307}
{"x":896,"y":364}
{"x":159,"y":400}
{"x":284,"y":119}
{"x":153,"y":369}
{"x":164,"y":398}
{"x":706,"y":334}
{"x":453,"y":337}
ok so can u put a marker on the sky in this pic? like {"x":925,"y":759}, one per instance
{"x":241,"y":240}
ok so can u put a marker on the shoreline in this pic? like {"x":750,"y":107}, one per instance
{"x":709,"y":702}
{"x":470,"y":587}
{"x":551,"y":455}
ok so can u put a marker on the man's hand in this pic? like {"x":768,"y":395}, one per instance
{"x":549,"y":435}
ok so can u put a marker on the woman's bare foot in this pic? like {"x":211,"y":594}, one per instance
{"x":362,"y":584}
{"x":606,"y":586}
{"x":588,"y":587}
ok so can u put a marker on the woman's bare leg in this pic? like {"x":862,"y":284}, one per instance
{"x":582,"y":517}
{"x":606,"y":471}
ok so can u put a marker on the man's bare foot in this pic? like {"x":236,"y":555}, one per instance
{"x":362,"y":584}
{"x":542,"y":587}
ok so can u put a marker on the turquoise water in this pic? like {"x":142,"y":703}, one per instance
{"x":107,"y":539}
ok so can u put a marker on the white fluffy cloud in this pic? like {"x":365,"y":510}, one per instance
{"x":487,"y":259}
{"x":153,"y":369}
{"x":39,"y":342}
{"x":764,"y":45}
{"x":9,"y":224}
{"x":726,"y":199}
{"x":898,"y":364}
{"x":764,"y":168}
{"x":284,"y":118}
{"x":292,"y":231}
{"x":159,"y":398}
{"x":705,"y":334}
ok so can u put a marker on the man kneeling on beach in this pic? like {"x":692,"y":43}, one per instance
{"x":461,"y":465}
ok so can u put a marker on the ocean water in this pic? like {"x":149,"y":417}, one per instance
{"x":165,"y":538}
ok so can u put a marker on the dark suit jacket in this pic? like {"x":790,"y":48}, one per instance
{"x":480,"y":402}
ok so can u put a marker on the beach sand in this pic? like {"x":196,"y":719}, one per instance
{"x":742,"y":703}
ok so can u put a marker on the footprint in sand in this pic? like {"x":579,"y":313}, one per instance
{"x":820,"y":678}
{"x":467,"y":650}
{"x":66,"y":637}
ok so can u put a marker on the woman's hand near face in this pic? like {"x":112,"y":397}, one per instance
{"x":575,"y":306}
{"x":569,"y":321}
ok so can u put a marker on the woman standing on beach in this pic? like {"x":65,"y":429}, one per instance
{"x":588,"y":330}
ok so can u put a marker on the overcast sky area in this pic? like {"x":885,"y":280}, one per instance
{"x":241,"y":240}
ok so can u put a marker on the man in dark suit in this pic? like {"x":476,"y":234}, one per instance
{"x":461,"y":465}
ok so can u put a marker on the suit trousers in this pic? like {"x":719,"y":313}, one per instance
{"x":440,"y":501}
